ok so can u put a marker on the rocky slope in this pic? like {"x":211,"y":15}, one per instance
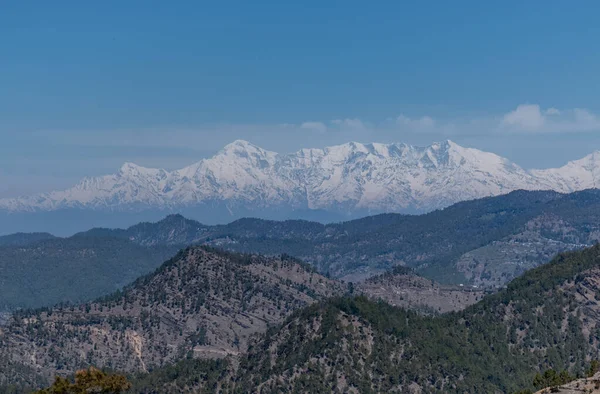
{"x":402,"y":288}
{"x":202,"y":303}
{"x":349,"y":179}
{"x":590,"y":385}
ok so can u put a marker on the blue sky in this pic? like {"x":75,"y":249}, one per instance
{"x":85,"y":86}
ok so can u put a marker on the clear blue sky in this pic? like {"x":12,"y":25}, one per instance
{"x":85,"y":86}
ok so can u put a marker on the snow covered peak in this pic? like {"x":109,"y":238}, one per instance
{"x":244,"y":152}
{"x":453,"y":149}
{"x":238,"y":145}
{"x":241,"y":147}
{"x":348,"y":177}
{"x":133,"y":169}
{"x":590,"y":161}
{"x":345,"y":151}
{"x":575,"y":175}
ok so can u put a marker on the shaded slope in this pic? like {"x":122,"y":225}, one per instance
{"x":72,"y":269}
{"x":20,"y":239}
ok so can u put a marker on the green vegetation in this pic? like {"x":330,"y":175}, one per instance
{"x":440,"y":354}
{"x":497,"y":345}
{"x":551,"y":378}
{"x":188,"y":375}
{"x":89,"y":380}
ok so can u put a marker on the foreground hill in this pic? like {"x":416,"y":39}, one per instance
{"x":202,"y":303}
{"x":548,"y":318}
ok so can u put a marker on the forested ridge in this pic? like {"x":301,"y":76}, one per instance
{"x":483,"y":242}
{"x":539,"y":322}
{"x":543,"y":223}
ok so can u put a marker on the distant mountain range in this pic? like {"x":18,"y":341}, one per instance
{"x":334,"y":183}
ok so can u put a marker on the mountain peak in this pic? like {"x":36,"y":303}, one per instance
{"x":245,"y":149}
{"x":173,"y":217}
{"x":240,"y":145}
{"x":129,"y":168}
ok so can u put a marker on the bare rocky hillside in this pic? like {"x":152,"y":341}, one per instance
{"x":203,"y":303}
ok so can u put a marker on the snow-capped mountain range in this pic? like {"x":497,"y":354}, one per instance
{"x":344,"y":178}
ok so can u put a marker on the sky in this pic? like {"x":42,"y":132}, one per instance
{"x":86,"y":86}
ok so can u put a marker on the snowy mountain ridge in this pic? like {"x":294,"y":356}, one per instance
{"x":353,"y":176}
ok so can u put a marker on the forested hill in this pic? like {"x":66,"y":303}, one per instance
{"x":485,"y":242}
{"x":203,"y":302}
{"x":545,"y":319}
